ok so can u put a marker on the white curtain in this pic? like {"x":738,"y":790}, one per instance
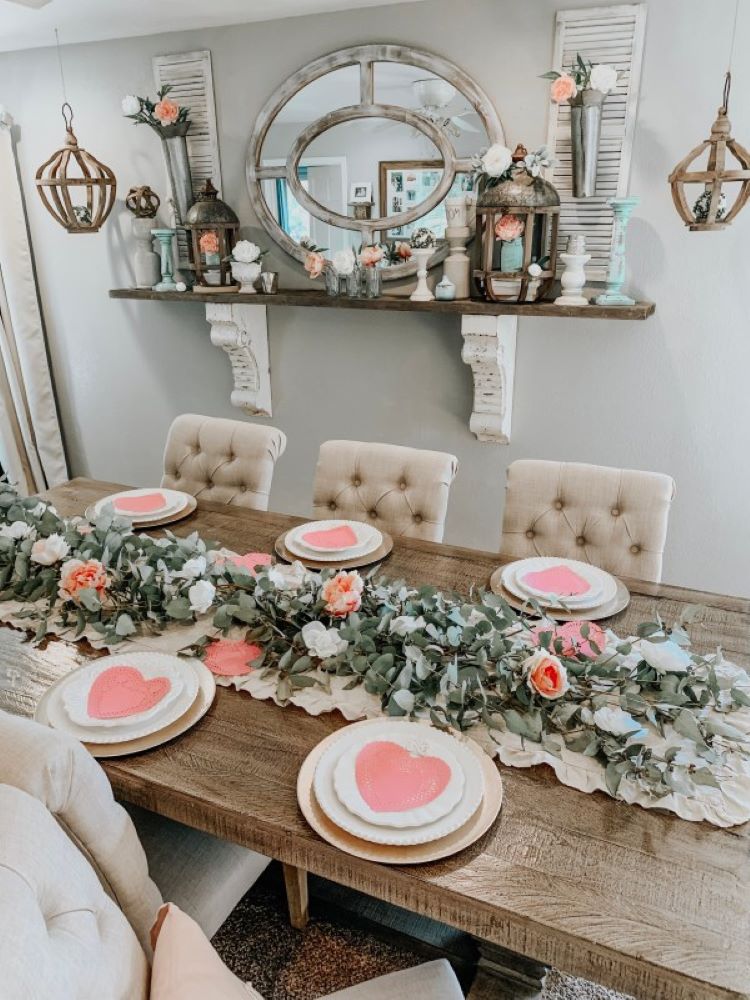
{"x":31,"y":448}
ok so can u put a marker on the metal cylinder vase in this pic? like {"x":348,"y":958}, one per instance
{"x":178,"y":168}
{"x":585,"y":133}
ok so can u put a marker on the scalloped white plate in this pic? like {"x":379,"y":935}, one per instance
{"x":602,"y":586}
{"x":370,"y":539}
{"x":176,"y":501}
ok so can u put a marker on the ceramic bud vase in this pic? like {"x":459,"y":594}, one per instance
{"x":165,"y":237}
{"x":247,"y":274}
{"x":457,"y":267}
{"x":145,"y":262}
{"x":573,"y":277}
{"x":585,"y":133}
{"x":422,"y":292}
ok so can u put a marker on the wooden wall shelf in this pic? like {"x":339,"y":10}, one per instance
{"x":462,"y":307}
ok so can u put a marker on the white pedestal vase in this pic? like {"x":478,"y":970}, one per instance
{"x":422,"y":292}
{"x":457,"y":267}
{"x":247,"y":275}
{"x":573,"y":277}
{"x":146,"y":269}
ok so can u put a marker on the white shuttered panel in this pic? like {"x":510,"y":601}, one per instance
{"x":190,"y":76}
{"x":611,"y":35}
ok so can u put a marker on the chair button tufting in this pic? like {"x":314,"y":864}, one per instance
{"x":373,"y":513}
{"x":418,"y":518}
{"x":332,"y":505}
{"x":243,"y":488}
{"x":529,"y":533}
{"x":580,"y":540}
{"x":402,"y":485}
{"x":615,"y":512}
{"x":635,"y":549}
{"x":558,"y":505}
{"x":357,"y":482}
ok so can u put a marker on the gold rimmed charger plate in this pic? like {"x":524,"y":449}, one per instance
{"x":618,"y":603}
{"x":362,"y":560}
{"x":159,"y":522}
{"x":203,"y":701}
{"x":387,"y":854}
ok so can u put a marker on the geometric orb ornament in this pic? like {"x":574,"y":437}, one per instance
{"x":142,"y":202}
{"x":77,"y":190}
{"x":727,"y":163}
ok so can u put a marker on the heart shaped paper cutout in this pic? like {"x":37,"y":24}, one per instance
{"x":251,"y":559}
{"x":390,"y":779}
{"x":123,"y":691}
{"x":557,"y":580}
{"x":574,"y":644}
{"x":231,"y":658}
{"x":342,"y":537}
{"x":145,"y":503}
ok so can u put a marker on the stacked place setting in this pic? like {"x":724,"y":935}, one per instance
{"x":399,"y":792}
{"x":565,"y":588}
{"x":146,"y":507}
{"x":124,"y":703}
{"x":334,"y":544}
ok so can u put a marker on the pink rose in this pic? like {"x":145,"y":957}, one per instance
{"x":343,"y":593}
{"x":167,"y":111}
{"x":574,"y":644}
{"x":563,"y":89}
{"x":77,"y":575}
{"x":508,"y":227}
{"x":546,"y":675}
{"x":371,"y":256}
{"x":314,"y":264}
{"x":209,"y":243}
{"x":404,"y":251}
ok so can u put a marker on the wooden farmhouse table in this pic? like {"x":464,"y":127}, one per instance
{"x":635,"y":899}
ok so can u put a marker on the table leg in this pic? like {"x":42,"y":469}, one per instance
{"x":503,"y":975}
{"x":297,"y":897}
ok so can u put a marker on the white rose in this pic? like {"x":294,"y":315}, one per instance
{"x":611,"y":719}
{"x":130,"y":105}
{"x":47,"y":551}
{"x":323,"y":642}
{"x":603,"y":78}
{"x":535,"y":270}
{"x":16,"y":530}
{"x":496,"y":160}
{"x":180,"y":286}
{"x":201,"y":596}
{"x":343,"y":261}
{"x":192,"y":569}
{"x":246,"y":252}
{"x":288,"y":577}
{"x":406,"y":624}
{"x":664,"y":657}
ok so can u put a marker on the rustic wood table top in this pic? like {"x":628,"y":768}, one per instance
{"x":635,"y":899}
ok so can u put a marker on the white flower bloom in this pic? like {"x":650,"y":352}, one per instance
{"x":612,"y":719}
{"x":47,"y":551}
{"x":246,"y":252}
{"x":180,"y":286}
{"x":603,"y":78}
{"x":323,"y":642}
{"x":406,"y":624}
{"x":730,"y":675}
{"x":201,"y":596}
{"x":665,"y":657}
{"x":344,"y":261}
{"x":496,"y":160}
{"x":130,"y":105}
{"x":16,"y":530}
{"x":288,"y":577}
{"x":192,"y":569}
{"x":535,"y":270}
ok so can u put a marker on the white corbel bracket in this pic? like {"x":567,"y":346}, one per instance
{"x":242,"y":331}
{"x":490,"y":350}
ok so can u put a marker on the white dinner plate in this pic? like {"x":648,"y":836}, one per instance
{"x":511,"y":581}
{"x":134,"y":728}
{"x":328,"y":800}
{"x":369,"y":539}
{"x":176,"y":501}
{"x":414,"y":746}
{"x":603,"y":586}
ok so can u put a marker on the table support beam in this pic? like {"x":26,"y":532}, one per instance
{"x":297,"y":896}
{"x":503,"y":975}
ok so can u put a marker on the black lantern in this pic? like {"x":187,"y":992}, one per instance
{"x":213,"y":228}
{"x":517,"y":222}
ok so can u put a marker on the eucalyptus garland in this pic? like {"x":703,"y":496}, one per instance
{"x":646,"y":708}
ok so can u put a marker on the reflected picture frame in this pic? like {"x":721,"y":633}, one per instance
{"x":360,"y":193}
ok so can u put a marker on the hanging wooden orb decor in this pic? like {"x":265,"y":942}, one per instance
{"x":728,"y":163}
{"x":77,"y":190}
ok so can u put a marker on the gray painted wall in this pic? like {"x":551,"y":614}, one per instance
{"x":668,"y":394}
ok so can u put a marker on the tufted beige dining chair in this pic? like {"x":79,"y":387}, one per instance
{"x":224,"y":461}
{"x":612,"y":518}
{"x":403,"y":490}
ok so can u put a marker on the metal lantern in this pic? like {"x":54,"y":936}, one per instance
{"x":711,"y":210}
{"x":77,"y":190}
{"x":213,"y":227}
{"x":517,"y":222}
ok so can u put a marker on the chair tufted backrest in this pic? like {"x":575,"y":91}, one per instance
{"x":62,"y":936}
{"x":58,"y":771}
{"x":612,"y":518}
{"x":403,"y":490}
{"x":224,"y":461}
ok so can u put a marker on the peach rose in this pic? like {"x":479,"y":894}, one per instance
{"x":573,"y":643}
{"x":209,"y":243}
{"x":508,"y":227}
{"x":77,"y":575}
{"x":546,"y":675}
{"x":563,"y":89}
{"x":314,"y":264}
{"x":343,"y":593}
{"x":167,"y":111}
{"x":404,"y":251}
{"x":371,"y":256}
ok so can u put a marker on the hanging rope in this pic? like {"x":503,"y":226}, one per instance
{"x":62,"y":74}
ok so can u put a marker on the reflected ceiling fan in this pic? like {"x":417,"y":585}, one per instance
{"x":434,"y":95}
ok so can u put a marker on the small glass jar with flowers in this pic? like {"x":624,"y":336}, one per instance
{"x":370,"y":258}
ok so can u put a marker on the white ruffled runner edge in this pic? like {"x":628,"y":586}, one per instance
{"x":728,"y":805}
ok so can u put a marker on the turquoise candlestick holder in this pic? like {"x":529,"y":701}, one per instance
{"x":165,"y":237}
{"x":613,"y":295}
